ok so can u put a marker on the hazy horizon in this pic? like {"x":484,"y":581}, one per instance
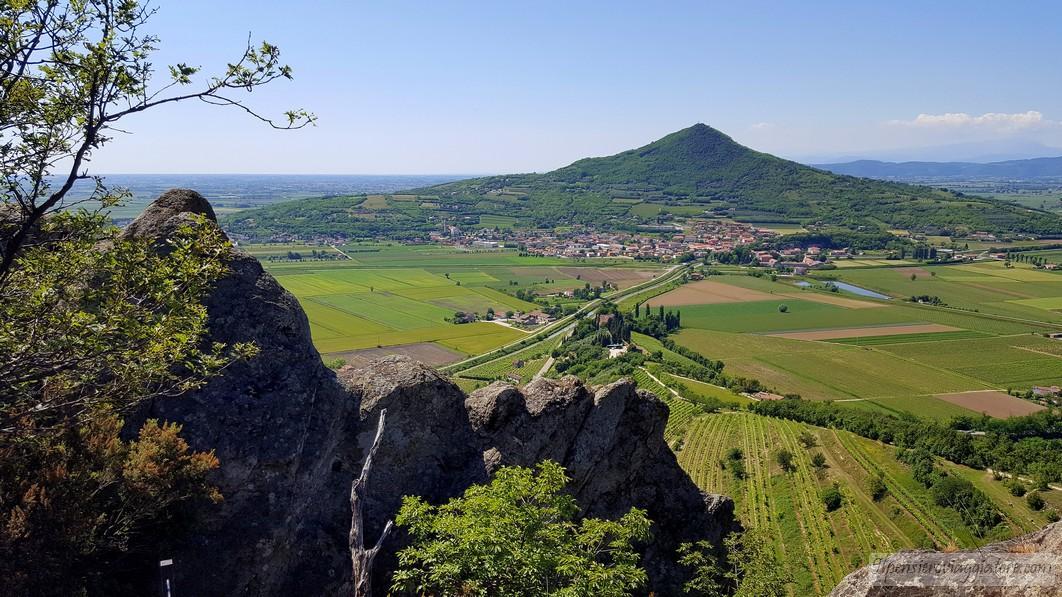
{"x":408,"y":87}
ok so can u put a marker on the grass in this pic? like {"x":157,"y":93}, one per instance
{"x":1002,"y":361}
{"x":388,"y":294}
{"x":998,"y":348}
{"x":1019,"y":292}
{"x":493,"y":221}
{"x":924,"y":406}
{"x":702,"y":390}
{"x":829,"y":371}
{"x":908,"y":338}
{"x":765,"y":316}
{"x":469,"y":338}
{"x":680,"y":412}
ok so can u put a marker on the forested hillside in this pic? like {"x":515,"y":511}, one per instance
{"x":695,"y":171}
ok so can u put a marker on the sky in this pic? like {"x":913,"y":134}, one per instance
{"x":403,"y":87}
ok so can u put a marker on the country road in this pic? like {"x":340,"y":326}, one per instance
{"x":566,"y":323}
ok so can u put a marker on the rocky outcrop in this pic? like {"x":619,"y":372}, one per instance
{"x":1027,"y":566}
{"x":610,"y":440}
{"x":290,"y":434}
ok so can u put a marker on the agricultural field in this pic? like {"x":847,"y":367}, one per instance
{"x":820,"y":547}
{"x":369,"y":299}
{"x":518,"y":367}
{"x":1019,"y":292}
{"x":680,"y":411}
{"x":887,"y":355}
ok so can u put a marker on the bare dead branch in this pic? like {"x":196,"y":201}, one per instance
{"x":362,"y":558}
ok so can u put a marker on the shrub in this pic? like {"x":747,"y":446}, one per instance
{"x":737,"y":468}
{"x":518,"y":535}
{"x":807,"y":439}
{"x":1035,"y":500}
{"x":1016,"y":487}
{"x":832,"y":498}
{"x":818,"y":460}
{"x":785,"y":460}
{"x":876,"y":487}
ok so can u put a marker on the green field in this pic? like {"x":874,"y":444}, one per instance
{"x":998,"y":346}
{"x":1020,"y":292}
{"x":505,"y":368}
{"x":817,"y":546}
{"x":388,"y":294}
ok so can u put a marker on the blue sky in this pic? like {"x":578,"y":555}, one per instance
{"x":482,"y":87}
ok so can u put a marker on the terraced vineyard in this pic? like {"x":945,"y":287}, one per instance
{"x":681,"y":411}
{"x":820,"y":547}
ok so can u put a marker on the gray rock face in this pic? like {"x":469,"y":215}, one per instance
{"x":1027,"y":566}
{"x":290,"y":435}
{"x":162,"y":217}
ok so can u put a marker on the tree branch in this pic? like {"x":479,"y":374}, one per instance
{"x":362,"y":558}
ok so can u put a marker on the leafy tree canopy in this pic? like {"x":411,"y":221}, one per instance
{"x":518,"y":535}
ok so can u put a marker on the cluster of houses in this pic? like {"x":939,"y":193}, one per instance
{"x":798,"y":260}
{"x":527,"y":319}
{"x":531,"y":318}
{"x":703,"y":237}
{"x":1046,"y":391}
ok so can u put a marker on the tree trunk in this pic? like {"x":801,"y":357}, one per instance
{"x":362,"y":558}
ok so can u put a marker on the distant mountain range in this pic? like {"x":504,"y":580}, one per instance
{"x":1036,"y":168}
{"x":694,"y":171}
{"x":980,"y":152}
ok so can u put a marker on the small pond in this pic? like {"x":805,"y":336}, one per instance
{"x":860,"y":291}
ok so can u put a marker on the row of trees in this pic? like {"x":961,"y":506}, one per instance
{"x":657,"y":324}
{"x":1027,"y":258}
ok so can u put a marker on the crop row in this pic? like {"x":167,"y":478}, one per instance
{"x":898,"y":490}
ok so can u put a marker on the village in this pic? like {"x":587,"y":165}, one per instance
{"x":701,"y":238}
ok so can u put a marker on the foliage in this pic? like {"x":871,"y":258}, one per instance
{"x":84,"y":512}
{"x":785,"y":460}
{"x":818,"y":460}
{"x":973,"y":506}
{"x":751,"y":567}
{"x":807,"y":439}
{"x":754,"y":566}
{"x":706,"y":576}
{"x":94,"y":325}
{"x":876,"y":487}
{"x":518,"y":535}
{"x":1016,"y":487}
{"x":85,"y":328}
{"x":1035,"y":500}
{"x":832,"y":498}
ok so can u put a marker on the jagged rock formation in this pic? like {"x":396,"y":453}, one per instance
{"x":1027,"y":566}
{"x":290,"y":435}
